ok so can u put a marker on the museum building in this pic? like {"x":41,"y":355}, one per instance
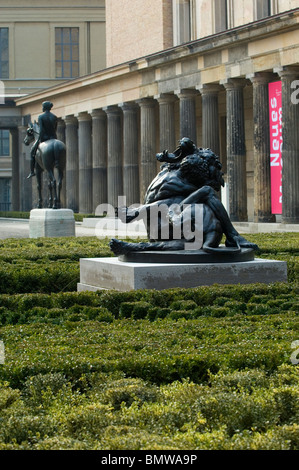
{"x":223,"y":73}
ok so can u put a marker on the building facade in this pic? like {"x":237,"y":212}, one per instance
{"x":41,"y":44}
{"x":207,"y":76}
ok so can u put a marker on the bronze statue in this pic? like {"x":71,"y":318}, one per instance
{"x":47,"y":153}
{"x":188,"y":177}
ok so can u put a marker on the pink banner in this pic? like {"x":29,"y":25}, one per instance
{"x":275,"y":111}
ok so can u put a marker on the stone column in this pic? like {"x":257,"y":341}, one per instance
{"x":114,"y":165}
{"x":131,"y":153}
{"x":99,"y":157}
{"x":61,"y":130}
{"x":148,"y":164}
{"x":210,"y":117}
{"x":290,"y":144}
{"x":26,"y":199}
{"x":167,"y":121}
{"x":188,"y":113}
{"x":236,"y":152}
{"x":261,"y":148}
{"x":85,"y":163}
{"x":15,"y":188}
{"x":61,"y":136}
{"x":72,"y":163}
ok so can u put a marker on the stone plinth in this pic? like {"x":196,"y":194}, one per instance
{"x":51,"y":223}
{"x":112,"y":273}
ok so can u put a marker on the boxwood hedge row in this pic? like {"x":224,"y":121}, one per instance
{"x":52,"y":264}
{"x":214,"y":301}
{"x":202,"y":368}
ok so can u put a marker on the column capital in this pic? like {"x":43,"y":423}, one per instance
{"x":83,"y":116}
{"x":186,"y":93}
{"x":129,"y":106}
{"x":70,"y":119}
{"x":287,"y":71}
{"x":112,"y":110}
{"x":260,"y":78}
{"x":209,"y":88}
{"x":233,"y":83}
{"x":165,"y":98}
{"x":148,"y":102}
{"x":97,"y":113}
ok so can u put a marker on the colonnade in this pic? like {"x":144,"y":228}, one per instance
{"x":111,"y":151}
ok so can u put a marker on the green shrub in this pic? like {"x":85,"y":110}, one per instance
{"x":259,"y":309}
{"x":135,"y":310}
{"x":37,"y":385}
{"x":287,"y":403}
{"x":128,"y":390}
{"x":215,"y":311}
{"x":7,"y":396}
{"x":25,"y":427}
{"x":178,"y":314}
{"x":236,"y":307}
{"x":183,"y":305}
{"x":88,"y":420}
{"x":221,"y":301}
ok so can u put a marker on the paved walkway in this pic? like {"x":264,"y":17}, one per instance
{"x":19,"y":228}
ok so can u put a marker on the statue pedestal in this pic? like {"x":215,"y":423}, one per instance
{"x":112,"y":273}
{"x":51,"y":223}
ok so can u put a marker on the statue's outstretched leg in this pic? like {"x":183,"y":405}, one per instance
{"x":120,"y":247}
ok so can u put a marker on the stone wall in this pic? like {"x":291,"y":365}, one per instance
{"x":137,"y":28}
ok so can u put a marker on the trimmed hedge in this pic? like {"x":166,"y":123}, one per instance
{"x":215,"y":301}
{"x":248,"y":409}
{"x":205,"y":368}
{"x":52,"y":264}
{"x":159,"y":351}
{"x":46,"y":264}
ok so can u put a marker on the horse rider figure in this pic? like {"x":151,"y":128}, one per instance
{"x":47,"y":122}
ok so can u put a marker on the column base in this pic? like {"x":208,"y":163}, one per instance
{"x":290,"y":220}
{"x":265,"y":219}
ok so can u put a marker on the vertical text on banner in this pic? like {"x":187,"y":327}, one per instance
{"x":275,"y":116}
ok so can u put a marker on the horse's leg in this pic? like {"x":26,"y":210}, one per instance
{"x":53,"y":188}
{"x":50,"y":200}
{"x":39,"y":186}
{"x":59,"y":186}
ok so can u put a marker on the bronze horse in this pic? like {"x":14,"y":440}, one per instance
{"x":50,"y":155}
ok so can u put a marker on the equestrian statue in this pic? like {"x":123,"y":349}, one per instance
{"x":47,"y":153}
